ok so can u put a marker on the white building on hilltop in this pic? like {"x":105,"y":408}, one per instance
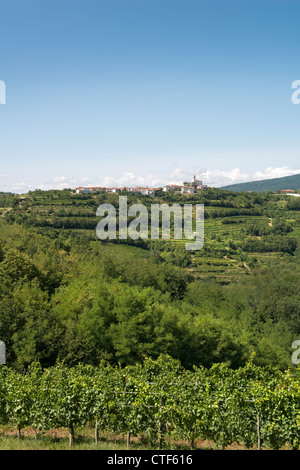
{"x":197,"y":182}
{"x":171,"y":188}
{"x":187,"y":189}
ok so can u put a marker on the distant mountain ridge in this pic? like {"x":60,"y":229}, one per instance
{"x":274,"y":184}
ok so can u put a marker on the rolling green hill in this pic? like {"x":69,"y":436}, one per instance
{"x":66,"y":295}
{"x":274,"y":184}
{"x":230,"y":219}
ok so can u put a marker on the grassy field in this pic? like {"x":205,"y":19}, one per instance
{"x":58,"y":440}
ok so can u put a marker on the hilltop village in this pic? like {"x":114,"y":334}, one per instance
{"x":186,"y":187}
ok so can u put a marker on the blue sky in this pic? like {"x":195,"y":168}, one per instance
{"x":127,"y":92}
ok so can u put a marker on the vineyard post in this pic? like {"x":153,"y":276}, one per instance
{"x":96,"y":431}
{"x":258,"y":433}
{"x":160,"y":439}
{"x":128,"y":439}
{"x":71,"y":435}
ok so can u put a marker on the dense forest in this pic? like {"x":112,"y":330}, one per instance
{"x":67,"y":296}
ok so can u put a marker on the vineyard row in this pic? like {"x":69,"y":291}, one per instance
{"x":254,"y":406}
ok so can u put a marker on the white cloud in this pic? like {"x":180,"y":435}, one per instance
{"x":216,"y":178}
{"x":129,"y":179}
{"x":61,"y":182}
{"x":19,"y":188}
{"x":271,"y":172}
{"x":59,"y":179}
{"x":210,"y":177}
{"x":58,"y":182}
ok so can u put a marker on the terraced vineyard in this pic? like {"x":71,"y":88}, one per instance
{"x":66,"y":294}
{"x":230,"y":219}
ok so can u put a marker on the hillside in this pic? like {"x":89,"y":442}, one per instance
{"x":274,"y":184}
{"x":233,"y":222}
{"x":67,"y":295}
